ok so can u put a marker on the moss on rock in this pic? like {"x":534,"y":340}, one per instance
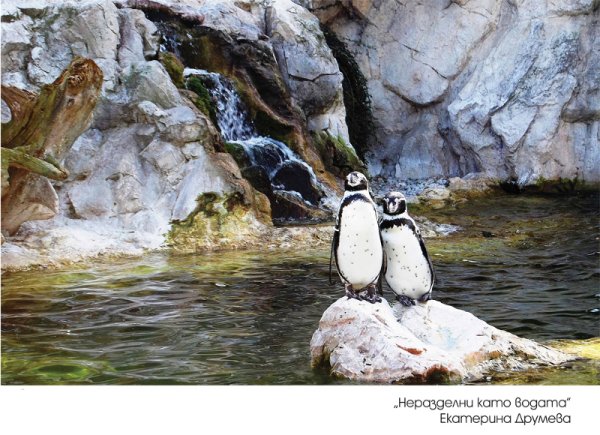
{"x":219,"y":221}
{"x":203,"y":101}
{"x":174,"y":67}
{"x":338,"y":157}
{"x":238,"y":153}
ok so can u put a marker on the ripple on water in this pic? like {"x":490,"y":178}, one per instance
{"x":164,"y":320}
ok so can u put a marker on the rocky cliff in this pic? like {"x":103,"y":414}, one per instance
{"x":509,"y":88}
{"x":153,"y":168}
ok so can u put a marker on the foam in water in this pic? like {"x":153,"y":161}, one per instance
{"x":236,"y":127}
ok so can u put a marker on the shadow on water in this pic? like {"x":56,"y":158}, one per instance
{"x":247,"y":317}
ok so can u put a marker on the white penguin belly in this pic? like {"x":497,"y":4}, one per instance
{"x":408,"y":271}
{"x":359,"y":253}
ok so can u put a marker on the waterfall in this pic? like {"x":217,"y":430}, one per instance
{"x":285,"y":170}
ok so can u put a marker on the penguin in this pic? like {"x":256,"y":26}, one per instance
{"x":356,"y":243}
{"x":407,"y":267}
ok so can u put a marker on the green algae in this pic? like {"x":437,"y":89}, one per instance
{"x":174,"y":67}
{"x":339,"y":158}
{"x":51,"y":370}
{"x":582,"y":371}
{"x":203,"y":101}
{"x":238,"y":153}
{"x":589,"y":349}
{"x":216,"y":218}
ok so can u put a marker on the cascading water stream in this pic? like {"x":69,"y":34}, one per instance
{"x":285,"y":170}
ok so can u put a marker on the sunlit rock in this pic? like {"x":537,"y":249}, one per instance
{"x":149,"y":153}
{"x":308,"y":66}
{"x":505,"y":88}
{"x":430,"y":342}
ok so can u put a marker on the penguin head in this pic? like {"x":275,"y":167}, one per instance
{"x":394,"y":203}
{"x":356,"y":181}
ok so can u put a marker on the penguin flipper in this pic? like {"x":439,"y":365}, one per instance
{"x":333,"y":253}
{"x":381,"y":275}
{"x":426,"y":255}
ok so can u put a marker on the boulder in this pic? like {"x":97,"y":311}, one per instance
{"x":150,"y":81}
{"x":289,"y":207}
{"x":431,"y":343}
{"x":294,"y":176}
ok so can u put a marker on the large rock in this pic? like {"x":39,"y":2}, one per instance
{"x":505,"y":88}
{"x":149,"y":154}
{"x":429,"y":342}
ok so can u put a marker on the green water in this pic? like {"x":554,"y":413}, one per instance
{"x":247,"y":317}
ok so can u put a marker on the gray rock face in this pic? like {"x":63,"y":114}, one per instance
{"x":505,"y":88}
{"x":308,"y":66}
{"x":148,"y":154}
{"x":429,"y":342}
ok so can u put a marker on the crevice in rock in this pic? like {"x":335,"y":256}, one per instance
{"x":357,"y":100}
{"x":305,"y":79}
{"x":415,"y":104}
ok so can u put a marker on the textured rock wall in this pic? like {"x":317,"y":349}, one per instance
{"x":308,"y":66}
{"x":151,"y":157}
{"x":508,"y":88}
{"x":149,"y":153}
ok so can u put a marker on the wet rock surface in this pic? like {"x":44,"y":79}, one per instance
{"x":295,"y":177}
{"x":426,"y":343}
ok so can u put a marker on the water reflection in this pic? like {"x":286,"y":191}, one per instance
{"x":247,"y":317}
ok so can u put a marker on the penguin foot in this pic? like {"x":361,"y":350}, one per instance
{"x":405,"y":300}
{"x":351,"y":294}
{"x":373,"y":299}
{"x":355,"y":296}
{"x":372,"y":295}
{"x":426,"y":297}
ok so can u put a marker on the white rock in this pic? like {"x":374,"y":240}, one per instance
{"x":198,"y":178}
{"x":437,"y":193}
{"x":493,"y":84}
{"x":420,"y":84}
{"x":166,"y":158}
{"x":429,"y":342}
{"x":16,"y":43}
{"x":6,"y":112}
{"x":181,"y":125}
{"x":308,"y":66}
{"x":473,"y":182}
{"x":150,"y":81}
{"x":139,"y":37}
{"x":131,"y":48}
